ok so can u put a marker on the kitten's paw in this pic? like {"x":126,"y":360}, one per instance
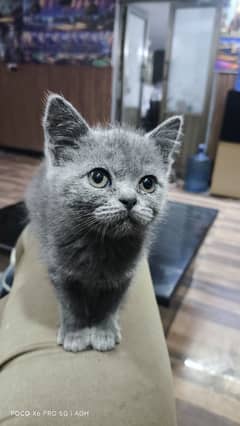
{"x":102,"y":339}
{"x":77,"y":341}
{"x":60,"y":336}
{"x":118,"y":335}
{"x":117,"y":332}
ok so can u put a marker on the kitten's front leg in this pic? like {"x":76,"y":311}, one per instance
{"x":73,"y":334}
{"x":105,"y":335}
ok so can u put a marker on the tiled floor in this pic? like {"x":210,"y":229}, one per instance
{"x":204,"y":339}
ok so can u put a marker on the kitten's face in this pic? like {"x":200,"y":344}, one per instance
{"x":115,"y":181}
{"x":109,"y":181}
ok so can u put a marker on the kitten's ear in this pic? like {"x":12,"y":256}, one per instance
{"x":63,"y":128}
{"x":167,"y":137}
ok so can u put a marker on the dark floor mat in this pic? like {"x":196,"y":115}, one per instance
{"x":177,"y":240}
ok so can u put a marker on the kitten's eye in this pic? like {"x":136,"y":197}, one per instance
{"x":99,"y":178}
{"x":148,"y":184}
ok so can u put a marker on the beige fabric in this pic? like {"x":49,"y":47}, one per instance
{"x":128,"y":386}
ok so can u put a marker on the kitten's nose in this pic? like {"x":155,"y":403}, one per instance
{"x":128,"y":202}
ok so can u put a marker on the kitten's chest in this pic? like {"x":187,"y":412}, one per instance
{"x":109,"y":260}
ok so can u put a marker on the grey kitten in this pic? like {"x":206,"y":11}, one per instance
{"x":93,"y":205}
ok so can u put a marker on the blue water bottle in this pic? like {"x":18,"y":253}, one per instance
{"x":198,"y":171}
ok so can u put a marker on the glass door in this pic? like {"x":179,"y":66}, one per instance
{"x":189,"y":70}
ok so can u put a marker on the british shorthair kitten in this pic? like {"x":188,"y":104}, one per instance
{"x":93,"y":205}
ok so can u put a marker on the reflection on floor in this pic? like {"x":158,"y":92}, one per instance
{"x":204,"y":339}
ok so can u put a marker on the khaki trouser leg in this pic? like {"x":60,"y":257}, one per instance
{"x":40,"y":384}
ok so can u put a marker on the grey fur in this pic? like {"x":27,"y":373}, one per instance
{"x":89,"y":240}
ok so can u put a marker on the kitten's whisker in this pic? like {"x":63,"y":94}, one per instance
{"x":87,"y":226}
{"x":144,"y":213}
{"x":105,"y":212}
{"x":107,"y":208}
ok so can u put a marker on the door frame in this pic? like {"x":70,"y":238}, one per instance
{"x":134,"y":10}
{"x":117,"y":61}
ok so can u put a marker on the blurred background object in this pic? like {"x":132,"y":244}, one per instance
{"x":142,"y":60}
{"x":198,"y":171}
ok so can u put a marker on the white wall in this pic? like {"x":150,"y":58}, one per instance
{"x":158,"y":15}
